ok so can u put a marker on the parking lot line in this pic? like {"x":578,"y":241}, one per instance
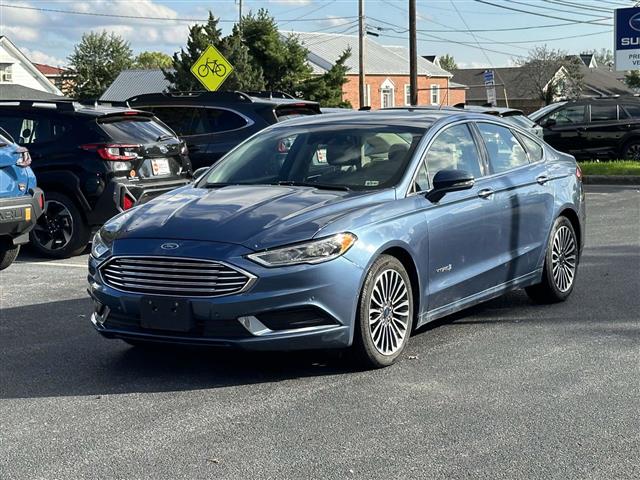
{"x":53,"y":264}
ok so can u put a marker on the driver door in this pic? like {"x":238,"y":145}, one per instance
{"x":565,"y":127}
{"x":461,"y":226}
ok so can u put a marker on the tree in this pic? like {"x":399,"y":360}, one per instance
{"x":96,"y":62}
{"x":448,"y":63}
{"x":200,"y":37}
{"x":632,"y":79}
{"x":151,"y":60}
{"x":283,"y":60}
{"x":246,"y":74}
{"x":604,"y":56}
{"x":326,"y":89}
{"x":551,"y":74}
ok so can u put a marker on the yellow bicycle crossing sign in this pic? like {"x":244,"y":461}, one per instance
{"x":211,"y":68}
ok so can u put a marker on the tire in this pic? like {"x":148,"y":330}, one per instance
{"x":560,"y":265}
{"x":7,"y":255}
{"x":379,"y":343}
{"x":631,"y":150}
{"x":61,"y":231}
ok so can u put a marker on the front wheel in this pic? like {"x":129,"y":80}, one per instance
{"x":385,"y":313}
{"x":631,"y":150}
{"x":8,"y":255}
{"x":560,"y":265}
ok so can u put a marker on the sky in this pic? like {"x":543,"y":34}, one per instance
{"x":46,"y":31}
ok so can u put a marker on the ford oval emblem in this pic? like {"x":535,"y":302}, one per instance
{"x":634,"y":22}
{"x":169,"y":246}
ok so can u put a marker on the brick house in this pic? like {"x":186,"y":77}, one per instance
{"x":386,"y":70}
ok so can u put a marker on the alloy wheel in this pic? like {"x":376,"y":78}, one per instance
{"x":55,"y":227}
{"x":633,"y":151}
{"x":389,"y":312}
{"x":563,"y":258}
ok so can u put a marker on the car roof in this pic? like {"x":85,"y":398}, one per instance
{"x":68,"y":106}
{"x":496,"y":111}
{"x":217,"y":98}
{"x":420,"y":118}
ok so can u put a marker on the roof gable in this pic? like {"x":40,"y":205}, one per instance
{"x":15,"y":52}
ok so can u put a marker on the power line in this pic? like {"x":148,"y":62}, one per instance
{"x":135,"y":17}
{"x":592,"y":22}
{"x":324,"y":5}
{"x":555,"y":9}
{"x":584,"y":7}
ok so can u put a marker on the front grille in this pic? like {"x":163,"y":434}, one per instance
{"x":177,"y":277}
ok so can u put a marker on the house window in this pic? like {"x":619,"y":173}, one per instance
{"x":5,"y":72}
{"x":407,"y":94}
{"x":367,"y":95}
{"x":435,"y":95}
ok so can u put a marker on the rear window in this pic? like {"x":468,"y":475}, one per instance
{"x":286,"y":112}
{"x":520,"y":121}
{"x":134,"y":130}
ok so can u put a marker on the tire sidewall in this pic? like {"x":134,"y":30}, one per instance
{"x":548,"y":261}
{"x":79,"y":237}
{"x":362,"y":335}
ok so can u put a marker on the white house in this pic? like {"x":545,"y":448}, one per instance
{"x":17,"y":70}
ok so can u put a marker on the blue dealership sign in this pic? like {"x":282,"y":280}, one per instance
{"x":627,"y":38}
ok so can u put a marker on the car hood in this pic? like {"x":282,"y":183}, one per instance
{"x":256,"y":217}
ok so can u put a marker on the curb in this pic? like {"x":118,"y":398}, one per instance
{"x":612,"y":179}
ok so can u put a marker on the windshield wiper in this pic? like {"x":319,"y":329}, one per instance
{"x":218,"y":184}
{"x":320,"y":186}
{"x":164,"y":136}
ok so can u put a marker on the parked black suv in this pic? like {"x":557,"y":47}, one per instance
{"x":593,"y":127}
{"x":92,"y":163}
{"x":212,"y":123}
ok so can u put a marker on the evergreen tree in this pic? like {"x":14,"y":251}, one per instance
{"x":246,"y":75}
{"x":200,"y":37}
{"x":96,"y":62}
{"x":448,"y":63}
{"x":326,"y":89}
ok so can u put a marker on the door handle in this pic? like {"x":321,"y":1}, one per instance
{"x":485,"y":193}
{"x":542,"y":179}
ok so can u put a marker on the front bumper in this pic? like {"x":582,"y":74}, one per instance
{"x":18,"y":215}
{"x":261,"y":318}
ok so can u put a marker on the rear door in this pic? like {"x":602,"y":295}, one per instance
{"x":210,"y":132}
{"x":605,"y":130}
{"x":522,"y":189}
{"x":146,"y":146}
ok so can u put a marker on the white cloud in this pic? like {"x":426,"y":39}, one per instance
{"x":335,"y":21}
{"x":21,"y":16}
{"x":19,"y":34}
{"x":37,"y":56}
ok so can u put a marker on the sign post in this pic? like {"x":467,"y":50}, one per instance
{"x":212,"y":69}
{"x":627,"y":38}
{"x":490,"y":85}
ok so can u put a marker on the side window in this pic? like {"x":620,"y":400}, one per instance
{"x":454,"y":148}
{"x":604,"y":113}
{"x":632,"y":109}
{"x":568,"y":115}
{"x":180,"y":119}
{"x":535,"y":150}
{"x":213,"y":120}
{"x":505,"y":151}
{"x":421,"y":182}
{"x":30,"y":131}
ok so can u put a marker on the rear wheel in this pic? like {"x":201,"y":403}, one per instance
{"x":61,"y":231}
{"x":560,"y":265}
{"x":631,"y":150}
{"x":8,"y":254}
{"x":385,"y":313}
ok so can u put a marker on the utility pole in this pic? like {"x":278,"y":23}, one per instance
{"x":413,"y":54}
{"x":239,"y":12}
{"x":361,"y":47}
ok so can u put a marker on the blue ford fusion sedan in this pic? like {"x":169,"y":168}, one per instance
{"x":345,"y":230}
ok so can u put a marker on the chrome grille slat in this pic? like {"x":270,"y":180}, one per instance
{"x":173,"y":277}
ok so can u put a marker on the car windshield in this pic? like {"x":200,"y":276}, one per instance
{"x":360,"y":157}
{"x":538,"y":114}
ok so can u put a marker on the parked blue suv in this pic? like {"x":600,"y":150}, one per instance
{"x":21,"y":202}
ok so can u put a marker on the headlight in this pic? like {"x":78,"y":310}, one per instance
{"x":103,"y":239}
{"x":315,"y":251}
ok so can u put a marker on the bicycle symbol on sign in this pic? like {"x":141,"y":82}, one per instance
{"x":212,"y":66}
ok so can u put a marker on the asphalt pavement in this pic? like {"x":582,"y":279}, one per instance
{"x":506,"y":390}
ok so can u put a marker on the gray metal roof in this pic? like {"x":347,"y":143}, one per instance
{"x":135,"y":82}
{"x":326,"y":48}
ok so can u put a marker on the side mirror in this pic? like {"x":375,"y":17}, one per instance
{"x":549,"y":122}
{"x":446,"y":181}
{"x":197,"y":175}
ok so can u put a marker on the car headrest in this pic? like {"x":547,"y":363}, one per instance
{"x":397,"y":152}
{"x":342,"y":151}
